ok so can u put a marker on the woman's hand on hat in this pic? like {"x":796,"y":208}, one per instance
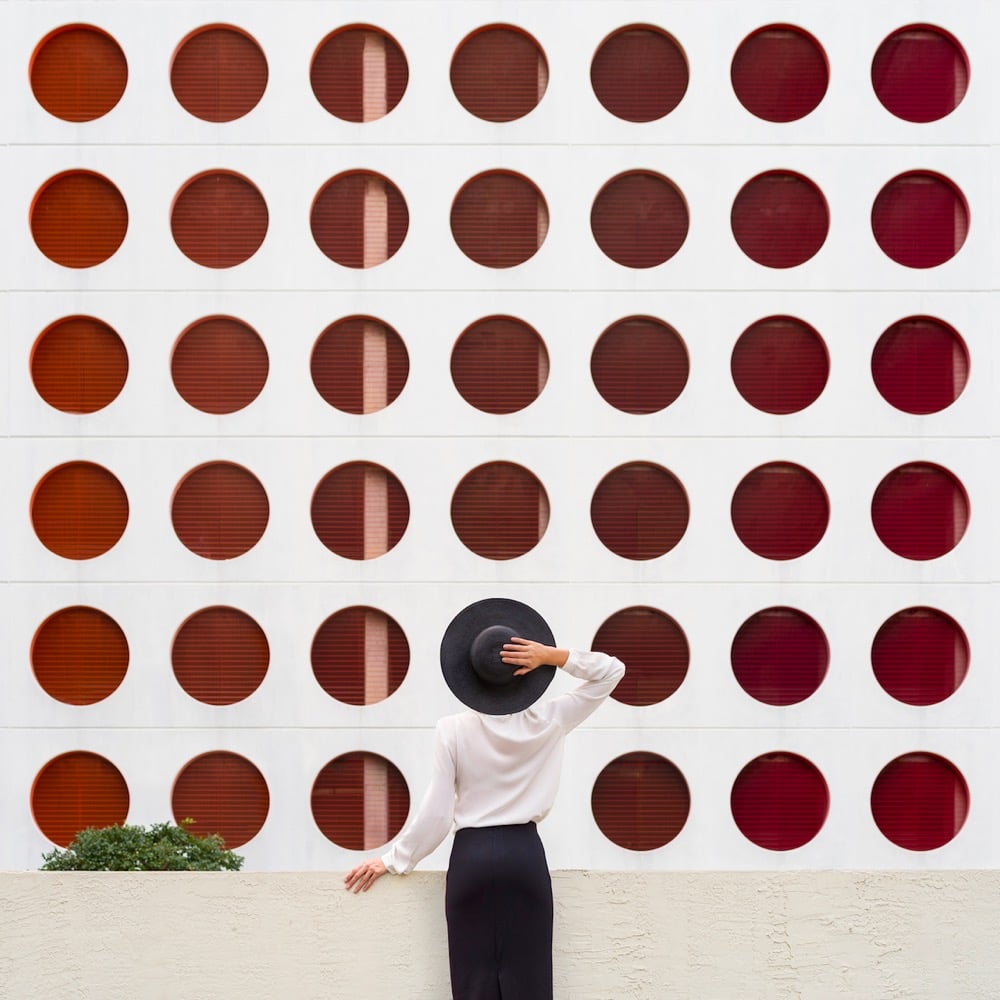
{"x":363,"y":877}
{"x":526,"y":655}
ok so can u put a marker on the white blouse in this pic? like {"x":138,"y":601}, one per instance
{"x":493,"y":770}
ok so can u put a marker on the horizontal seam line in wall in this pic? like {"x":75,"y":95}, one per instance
{"x":436,"y":144}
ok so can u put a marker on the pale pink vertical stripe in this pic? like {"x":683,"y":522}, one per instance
{"x":543,"y":365}
{"x":376,"y":224}
{"x":543,"y":75}
{"x":376,"y":513}
{"x":373,"y":78}
{"x":543,"y":512}
{"x":374,"y":368}
{"x":376,"y":657}
{"x":376,"y":794}
{"x":542,"y":224}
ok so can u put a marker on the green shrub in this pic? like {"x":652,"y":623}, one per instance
{"x":162,"y":847}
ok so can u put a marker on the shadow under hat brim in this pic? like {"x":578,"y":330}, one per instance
{"x":456,"y":663}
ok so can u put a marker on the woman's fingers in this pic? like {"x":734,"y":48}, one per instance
{"x":361,"y":878}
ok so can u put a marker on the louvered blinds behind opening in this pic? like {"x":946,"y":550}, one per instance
{"x":77,"y":790}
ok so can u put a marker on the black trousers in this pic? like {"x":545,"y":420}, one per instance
{"x":498,"y":901}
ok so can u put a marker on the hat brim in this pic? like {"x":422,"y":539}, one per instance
{"x":456,"y":662}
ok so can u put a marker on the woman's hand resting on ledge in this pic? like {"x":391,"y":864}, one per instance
{"x":362,"y":878}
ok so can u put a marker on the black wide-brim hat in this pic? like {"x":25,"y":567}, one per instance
{"x":470,"y":656}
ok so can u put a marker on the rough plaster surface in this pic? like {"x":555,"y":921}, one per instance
{"x":656,"y":936}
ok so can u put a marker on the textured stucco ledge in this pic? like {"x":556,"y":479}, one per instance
{"x":697,"y":935}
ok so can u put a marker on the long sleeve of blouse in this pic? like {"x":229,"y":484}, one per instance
{"x":491,"y":770}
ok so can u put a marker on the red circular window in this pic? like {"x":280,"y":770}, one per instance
{"x":780,"y":656}
{"x":500,"y":510}
{"x":220,"y":655}
{"x":360,"y":656}
{"x":779,"y":73}
{"x":75,"y":791}
{"x":223,"y":793}
{"x":920,"y":219}
{"x":359,"y":73}
{"x":79,"y":510}
{"x":639,"y":73}
{"x":219,"y":219}
{"x":920,"y":801}
{"x":639,"y":365}
{"x":920,"y":511}
{"x":499,"y":73}
{"x":219,"y":365}
{"x":654,"y":647}
{"x":359,"y":219}
{"x":920,"y":365}
{"x":78,"y":219}
{"x":220,"y":510}
{"x":360,"y":801}
{"x":499,"y":365}
{"x":780,"y":365}
{"x":78,"y":73}
{"x":640,"y":801}
{"x":780,"y":510}
{"x":780,"y":801}
{"x":780,"y":219}
{"x":639,"y":219}
{"x":360,"y":510}
{"x":920,"y":73}
{"x":499,"y":219}
{"x":79,"y":655}
{"x":920,"y":656}
{"x":79,"y":365}
{"x":359,"y":364}
{"x":639,"y":510}
{"x":219,"y":73}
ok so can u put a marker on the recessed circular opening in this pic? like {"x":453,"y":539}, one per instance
{"x":75,"y":791}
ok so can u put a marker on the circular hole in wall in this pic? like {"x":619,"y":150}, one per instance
{"x":75,"y":791}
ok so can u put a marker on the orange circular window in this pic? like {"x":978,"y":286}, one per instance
{"x":219,"y":365}
{"x":499,"y":73}
{"x":640,"y":801}
{"x":79,"y":655}
{"x":920,"y":219}
{"x":219,"y":219}
{"x":360,"y":656}
{"x":360,"y":801}
{"x":79,"y":510}
{"x":360,"y":510}
{"x":780,"y":365}
{"x":640,"y":510}
{"x":79,"y":364}
{"x":780,"y":511}
{"x":654,"y":647}
{"x":223,"y":793}
{"x":359,"y":73}
{"x":359,"y":364}
{"x":219,"y":73}
{"x":78,"y":73}
{"x":499,"y":365}
{"x":220,"y":655}
{"x":78,"y":219}
{"x":359,"y":219}
{"x":780,"y":73}
{"x":639,"y":219}
{"x":75,"y":791}
{"x":639,"y":365}
{"x":500,"y":510}
{"x":499,"y":219}
{"x":639,"y":73}
{"x":780,"y":219}
{"x":220,"y":510}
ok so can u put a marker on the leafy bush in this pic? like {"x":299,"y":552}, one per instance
{"x":162,"y":847}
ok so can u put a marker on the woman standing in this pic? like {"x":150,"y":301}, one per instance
{"x":495,"y":776}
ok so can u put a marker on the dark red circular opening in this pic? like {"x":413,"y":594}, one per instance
{"x":780,"y":73}
{"x":920,"y":511}
{"x":780,"y":219}
{"x":780,"y":365}
{"x":78,"y":790}
{"x":920,"y":365}
{"x":640,"y":801}
{"x":639,"y":73}
{"x":780,"y":510}
{"x":780,"y":656}
{"x":920,"y":656}
{"x":640,"y":365}
{"x":780,"y":801}
{"x":920,"y":801}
